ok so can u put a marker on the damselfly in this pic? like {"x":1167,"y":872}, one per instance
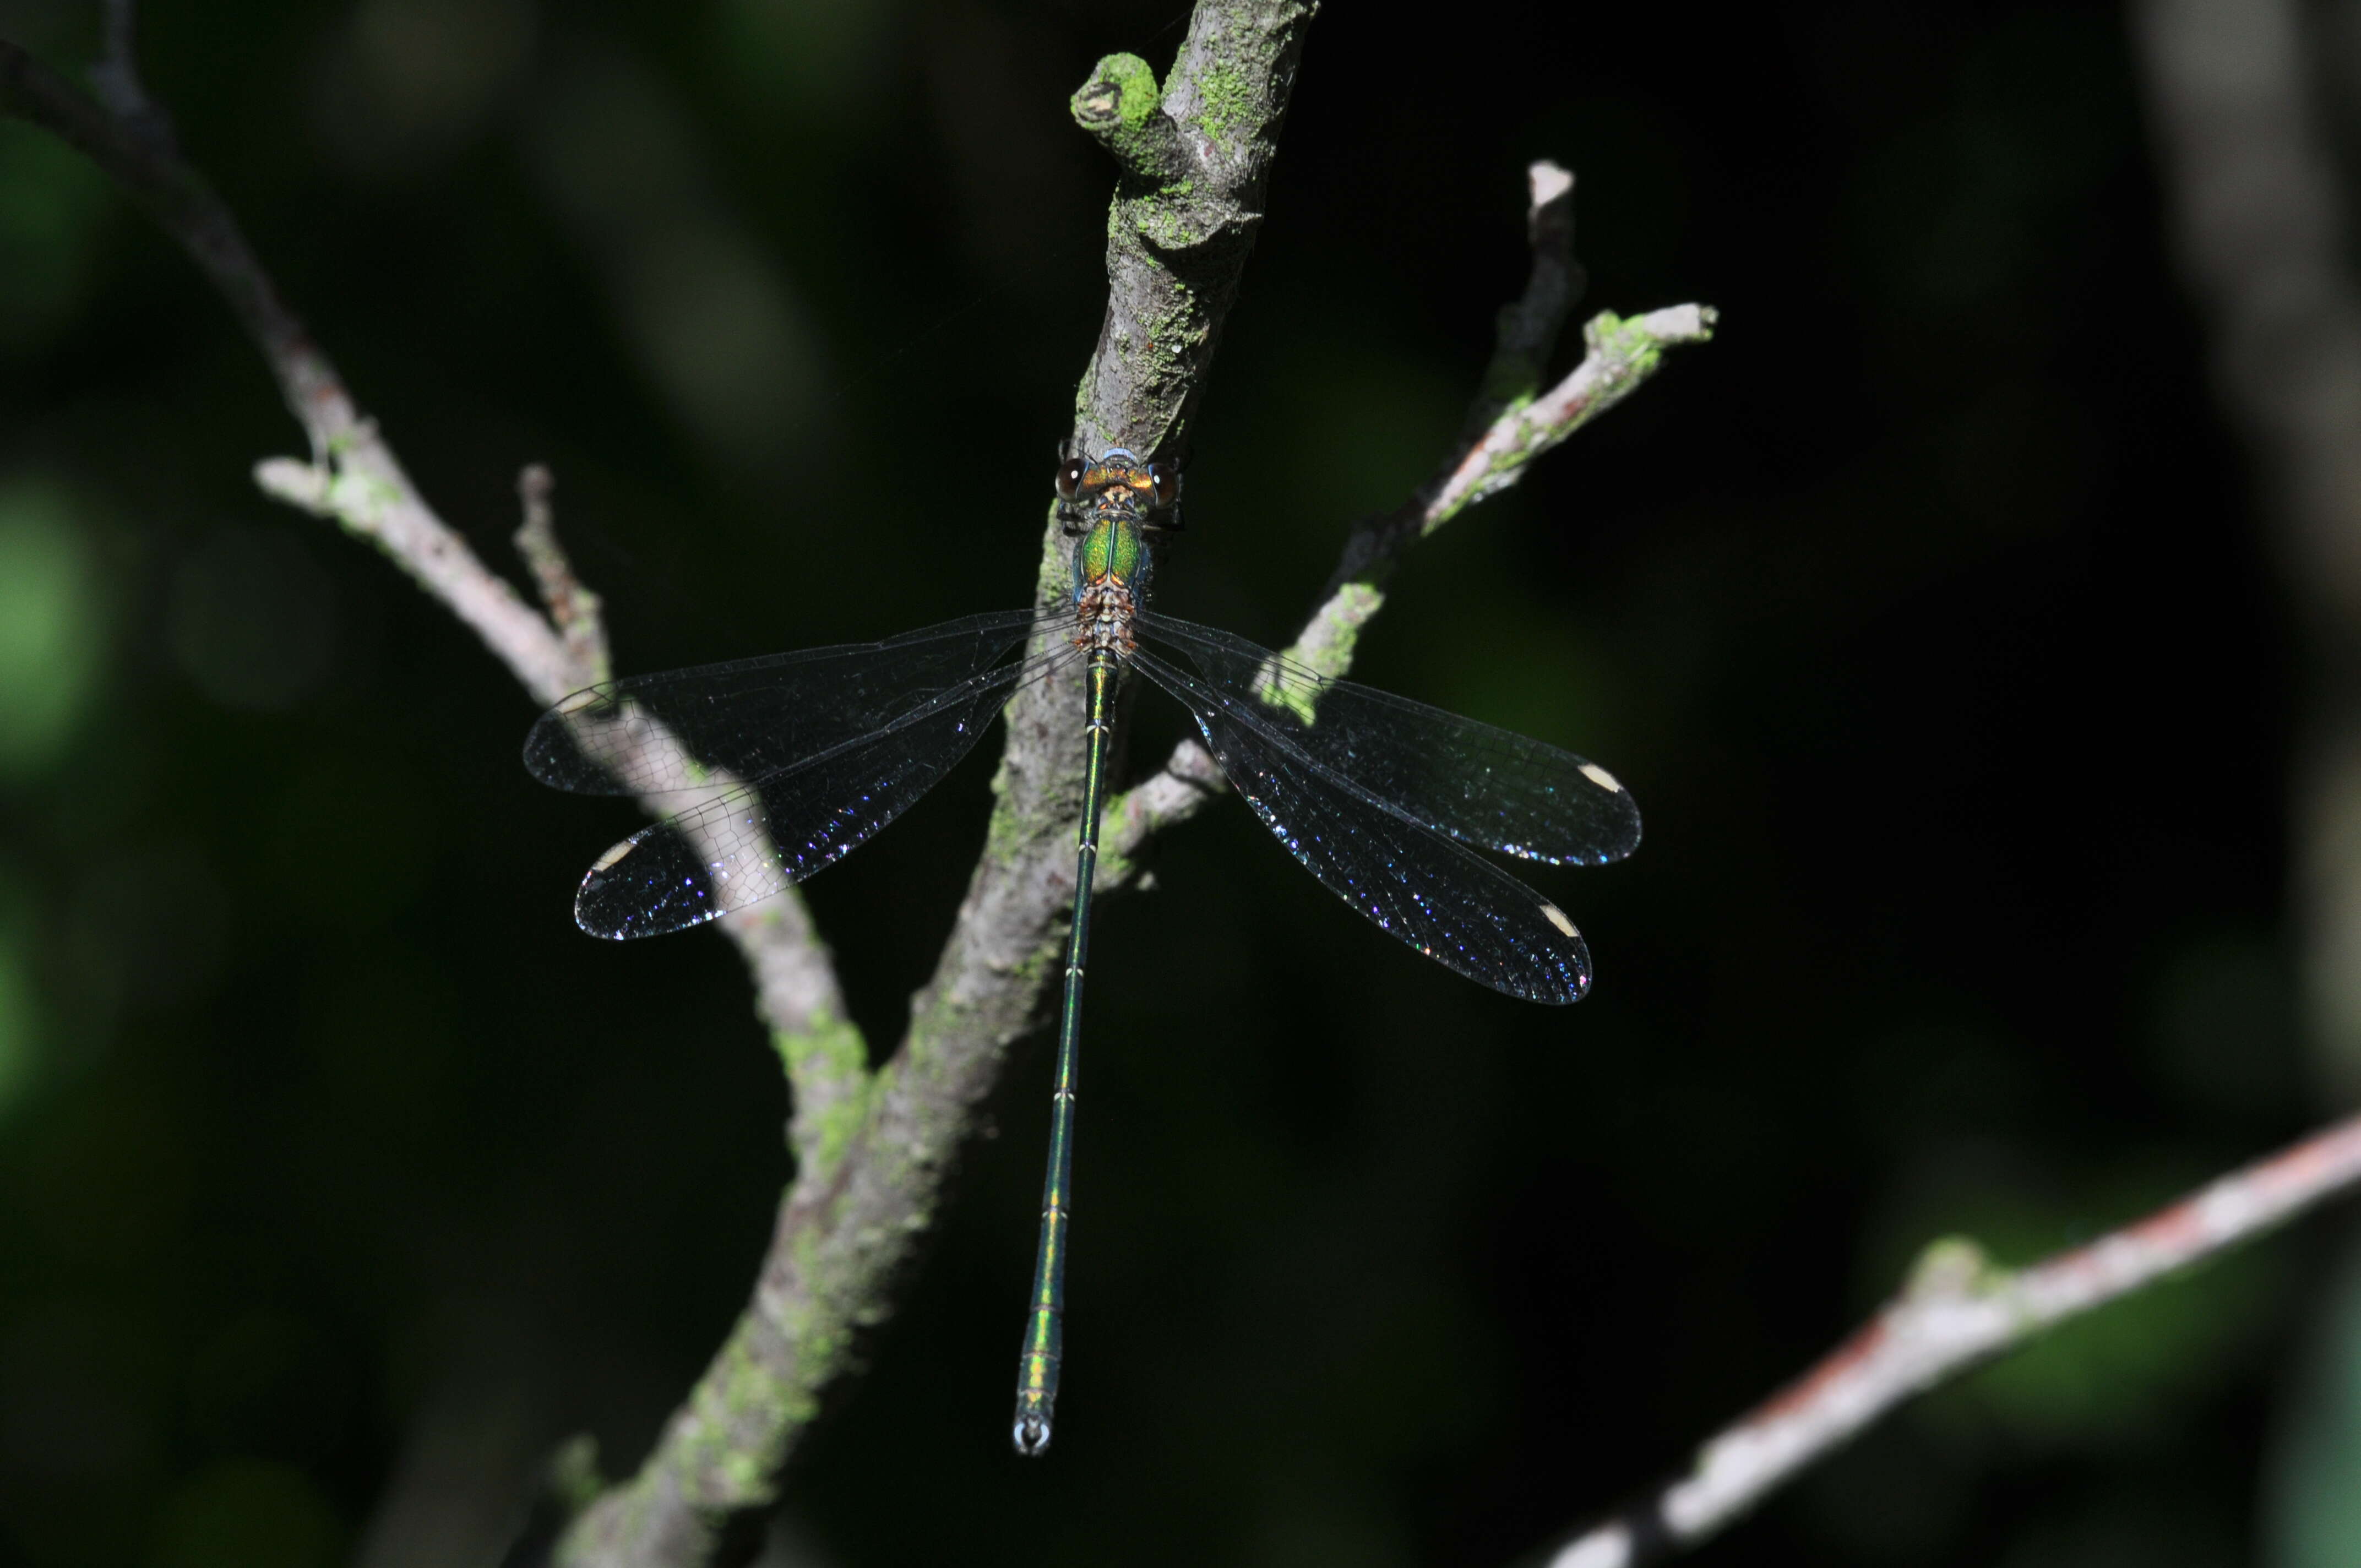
{"x":782,"y":765}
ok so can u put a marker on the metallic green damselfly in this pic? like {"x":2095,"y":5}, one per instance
{"x":782,"y":765}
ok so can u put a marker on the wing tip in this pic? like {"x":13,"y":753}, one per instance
{"x":593,"y":917}
{"x":593,"y":921}
{"x":1577,"y":968}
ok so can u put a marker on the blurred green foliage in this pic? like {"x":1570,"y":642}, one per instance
{"x":2314,"y":1517}
{"x":52,"y":633}
{"x":340,"y":1179}
{"x":48,"y":228}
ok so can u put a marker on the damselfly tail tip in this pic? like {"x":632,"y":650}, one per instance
{"x":1032,"y":1434}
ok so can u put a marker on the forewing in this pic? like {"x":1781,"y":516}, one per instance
{"x":683,"y":728}
{"x":1455,"y":907}
{"x":1482,"y":785}
{"x":745,"y":841}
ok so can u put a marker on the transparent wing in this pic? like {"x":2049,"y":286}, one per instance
{"x":748,"y":840}
{"x":1457,"y":908}
{"x":1481,"y":786}
{"x":652,"y":734}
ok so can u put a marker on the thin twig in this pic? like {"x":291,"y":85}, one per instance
{"x":354,"y":478}
{"x":1957,"y":1312}
{"x":115,"y":80}
{"x":1506,"y":429}
{"x":826,"y":1060}
{"x":1621,"y":355}
{"x":574,"y":609}
{"x":1525,"y":333}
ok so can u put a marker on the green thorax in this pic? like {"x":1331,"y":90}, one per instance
{"x":1111,"y":555}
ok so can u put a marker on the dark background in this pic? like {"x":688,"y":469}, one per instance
{"x":1924,"y":611}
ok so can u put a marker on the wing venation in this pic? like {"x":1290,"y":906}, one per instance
{"x":681,"y":730}
{"x":1413,"y":884}
{"x":1481,"y":784}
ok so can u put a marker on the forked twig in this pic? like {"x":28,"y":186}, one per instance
{"x":354,"y":478}
{"x":1508,"y":428}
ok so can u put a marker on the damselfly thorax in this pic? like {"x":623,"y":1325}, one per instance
{"x":1109,"y":508}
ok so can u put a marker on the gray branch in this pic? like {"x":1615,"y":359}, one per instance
{"x":1192,"y":159}
{"x":1957,"y":1312}
{"x":354,"y":478}
{"x":849,"y":1226}
{"x":572,"y":609}
{"x":1507,"y":428}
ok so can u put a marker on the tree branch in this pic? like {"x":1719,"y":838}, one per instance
{"x":572,"y":609}
{"x":1506,"y":429}
{"x":354,"y":478}
{"x":1957,"y":1312}
{"x":848,"y":1227}
{"x":1194,"y":157}
{"x":826,"y":1060}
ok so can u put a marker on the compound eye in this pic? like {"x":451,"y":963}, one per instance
{"x":1167,"y":482}
{"x":1070,"y":478}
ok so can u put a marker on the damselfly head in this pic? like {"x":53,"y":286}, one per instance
{"x":1117,"y":482}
